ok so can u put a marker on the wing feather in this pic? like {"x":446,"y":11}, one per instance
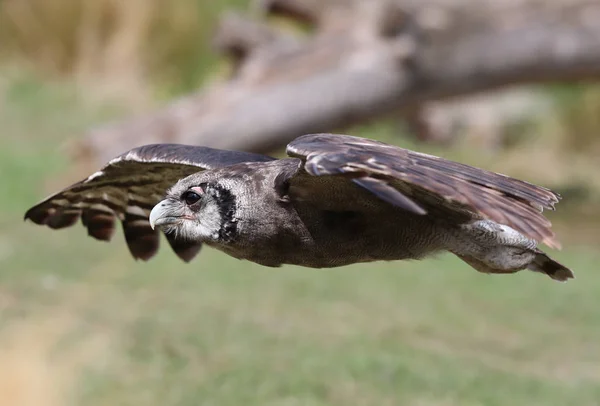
{"x":389,"y":194}
{"x":428,"y":183}
{"x":127,"y":188}
{"x":100,"y":224}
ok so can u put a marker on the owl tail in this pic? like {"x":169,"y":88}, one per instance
{"x":544,"y":264}
{"x":541,"y":263}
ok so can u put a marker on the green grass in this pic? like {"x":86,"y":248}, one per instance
{"x":82,"y":323}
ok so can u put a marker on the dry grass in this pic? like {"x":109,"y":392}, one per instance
{"x":578,"y":119}
{"x":118,"y":47}
{"x":34,"y":370}
{"x":560,"y":149}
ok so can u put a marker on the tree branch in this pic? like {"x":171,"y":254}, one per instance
{"x":238,"y":37}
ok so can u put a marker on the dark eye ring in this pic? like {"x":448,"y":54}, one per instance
{"x":190,"y":197}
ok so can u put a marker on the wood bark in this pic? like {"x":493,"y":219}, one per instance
{"x":359,"y":61}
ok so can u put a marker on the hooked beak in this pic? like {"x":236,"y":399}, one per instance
{"x":164,"y":214}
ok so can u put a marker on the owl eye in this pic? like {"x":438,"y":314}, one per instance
{"x":190,"y":197}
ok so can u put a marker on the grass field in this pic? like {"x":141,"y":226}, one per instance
{"x":83,"y":324}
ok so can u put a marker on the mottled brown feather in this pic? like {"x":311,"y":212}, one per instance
{"x":436,"y":185}
{"x":100,"y":224}
{"x":127,"y":188}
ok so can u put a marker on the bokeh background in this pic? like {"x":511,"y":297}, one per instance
{"x":82,"y":323}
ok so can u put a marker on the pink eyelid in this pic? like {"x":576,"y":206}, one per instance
{"x":197,"y":190}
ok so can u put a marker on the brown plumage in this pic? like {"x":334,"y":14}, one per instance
{"x":127,"y":189}
{"x":413,"y":180}
{"x":338,"y":200}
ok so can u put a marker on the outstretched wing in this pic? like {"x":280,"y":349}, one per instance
{"x":127,"y":188}
{"x":426,"y":184}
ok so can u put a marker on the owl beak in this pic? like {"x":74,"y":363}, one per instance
{"x":163,"y":214}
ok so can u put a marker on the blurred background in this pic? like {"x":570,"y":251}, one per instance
{"x":82,"y":323}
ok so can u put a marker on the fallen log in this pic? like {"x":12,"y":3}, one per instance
{"x":361,"y":61}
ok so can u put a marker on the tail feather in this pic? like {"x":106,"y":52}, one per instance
{"x":544,"y":264}
{"x":541,"y":263}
